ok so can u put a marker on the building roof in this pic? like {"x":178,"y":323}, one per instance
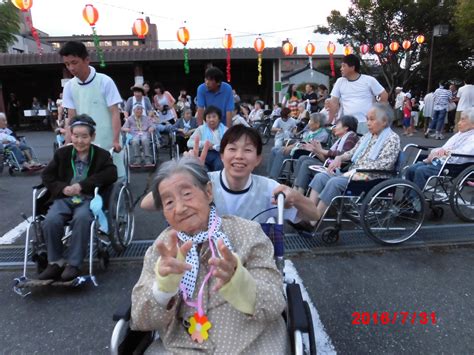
{"x":296,"y":72}
{"x":144,"y":54}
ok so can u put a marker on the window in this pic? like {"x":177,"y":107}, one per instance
{"x":56,"y":45}
{"x":105,"y":43}
{"x":123,"y":43}
{"x":89,"y":44}
{"x":136,"y":43}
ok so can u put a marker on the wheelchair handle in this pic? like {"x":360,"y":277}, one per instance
{"x":280,"y":197}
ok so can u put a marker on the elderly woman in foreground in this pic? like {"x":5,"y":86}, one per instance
{"x":208,"y":284}
{"x":378,"y":149}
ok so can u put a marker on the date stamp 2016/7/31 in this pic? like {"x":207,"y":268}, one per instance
{"x":384,"y":318}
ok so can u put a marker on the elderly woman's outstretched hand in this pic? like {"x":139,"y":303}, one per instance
{"x":224,"y":267}
{"x":169,"y":259}
{"x":335,"y":164}
{"x":195,"y":151}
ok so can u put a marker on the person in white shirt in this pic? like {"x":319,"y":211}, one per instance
{"x":355,"y":93}
{"x":441,"y":98}
{"x":428,"y":104}
{"x":283,"y":127}
{"x":466,"y":100}
{"x":257,"y":113}
{"x":237,"y":118}
{"x":399,"y":97}
{"x":461,"y":143}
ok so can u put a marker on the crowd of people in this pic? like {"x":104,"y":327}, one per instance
{"x":210,"y":243}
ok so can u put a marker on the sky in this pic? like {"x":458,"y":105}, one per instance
{"x":206,"y":20}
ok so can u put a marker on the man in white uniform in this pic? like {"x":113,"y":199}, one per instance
{"x":398,"y":107}
{"x":355,"y":93}
{"x":94,"y":94}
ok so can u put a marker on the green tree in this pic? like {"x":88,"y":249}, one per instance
{"x":373,"y":21}
{"x":9,"y":24}
{"x":464,"y":20}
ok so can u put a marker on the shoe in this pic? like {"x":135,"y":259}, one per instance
{"x":52,"y":272}
{"x":70,"y":273}
{"x":435,"y":135}
{"x":135,"y":164}
{"x":410,"y":134}
{"x":302,"y":226}
{"x":440,"y":137}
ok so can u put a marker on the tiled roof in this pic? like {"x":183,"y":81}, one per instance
{"x":145,"y":54}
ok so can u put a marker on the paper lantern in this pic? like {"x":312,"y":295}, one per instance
{"x":227,"y":41}
{"x":364,"y":49}
{"x":331,"y":48}
{"x":140,"y":28}
{"x":259,"y":44}
{"x":406,"y":44}
{"x":90,"y":14}
{"x":378,"y":48}
{"x":23,"y":5}
{"x":420,"y":39}
{"x":347,"y":49}
{"x":310,"y":49}
{"x":288,"y":48}
{"x":394,"y":46}
{"x":183,"y":35}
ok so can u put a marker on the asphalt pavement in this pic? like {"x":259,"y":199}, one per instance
{"x":70,"y":321}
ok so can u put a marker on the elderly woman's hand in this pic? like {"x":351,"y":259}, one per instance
{"x":224,"y":266}
{"x":169,"y":263}
{"x":195,"y":151}
{"x":335,"y":164}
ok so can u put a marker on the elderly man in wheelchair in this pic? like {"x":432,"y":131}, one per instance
{"x":71,"y":177}
{"x":451,"y":163}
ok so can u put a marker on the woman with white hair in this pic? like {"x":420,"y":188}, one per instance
{"x":460,"y":143}
{"x":378,"y":150}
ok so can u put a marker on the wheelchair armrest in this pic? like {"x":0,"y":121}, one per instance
{"x":297,"y":319}
{"x":123,"y":311}
{"x":462,"y":155}
{"x":417,"y":146}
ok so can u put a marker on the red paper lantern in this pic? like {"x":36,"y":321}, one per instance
{"x":227,"y":41}
{"x":364,"y":49}
{"x":378,"y":48}
{"x":90,"y":14}
{"x":288,"y":48}
{"x":310,"y":49}
{"x":420,"y":39}
{"x":394,"y":46}
{"x":347,"y":49}
{"x":331,"y":48}
{"x":140,"y":28}
{"x":259,"y":44}
{"x":183,"y":35}
{"x":406,"y":44}
{"x":23,"y":5}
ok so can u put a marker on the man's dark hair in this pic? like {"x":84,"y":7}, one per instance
{"x":212,"y":109}
{"x":234,"y":133}
{"x":237,"y":108}
{"x":285,"y":111}
{"x":352,"y":61}
{"x":74,"y":48}
{"x":350,"y":122}
{"x":214,"y":73}
{"x":83,"y":120}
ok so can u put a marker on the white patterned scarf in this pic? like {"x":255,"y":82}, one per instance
{"x":188,"y":282}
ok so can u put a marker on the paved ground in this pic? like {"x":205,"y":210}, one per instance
{"x":70,"y":321}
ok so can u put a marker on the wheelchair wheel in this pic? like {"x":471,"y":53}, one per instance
{"x":392,"y":211}
{"x":11,"y":171}
{"x":461,"y":198}
{"x":122,"y":217}
{"x":264,"y":131}
{"x":330,"y":235}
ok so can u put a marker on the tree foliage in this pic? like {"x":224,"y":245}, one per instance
{"x":464,"y":22}
{"x":373,"y":21}
{"x":9,"y":24}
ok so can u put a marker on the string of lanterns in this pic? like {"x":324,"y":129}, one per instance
{"x":259,"y":45}
{"x":183,"y":37}
{"x":91,"y":16}
{"x":25,"y":6}
{"x":227,"y":42}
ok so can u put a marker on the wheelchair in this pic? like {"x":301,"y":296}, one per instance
{"x":154,"y":146}
{"x":389,"y":210}
{"x":118,"y":208}
{"x":453,"y":185}
{"x":8,"y":159}
{"x":297,"y":314}
{"x":264,"y":126}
